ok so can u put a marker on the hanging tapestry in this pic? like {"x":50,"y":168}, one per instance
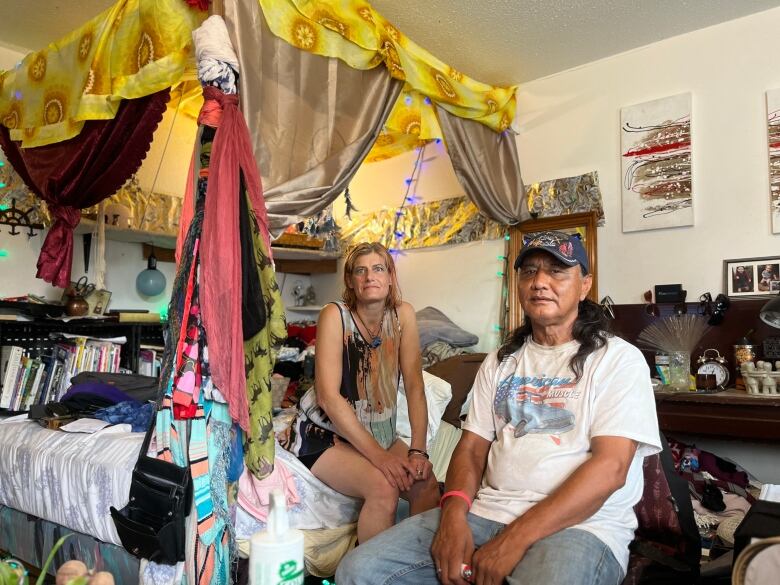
{"x":566,"y":196}
{"x":436,"y":223}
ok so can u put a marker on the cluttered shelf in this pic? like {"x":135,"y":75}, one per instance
{"x":40,"y":356}
{"x":729,"y":414}
{"x":297,"y":260}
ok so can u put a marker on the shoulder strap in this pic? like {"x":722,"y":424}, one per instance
{"x":148,"y":438}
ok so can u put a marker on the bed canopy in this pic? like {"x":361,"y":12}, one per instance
{"x":354,"y":89}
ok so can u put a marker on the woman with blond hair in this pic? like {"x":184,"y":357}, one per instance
{"x":345,"y":430}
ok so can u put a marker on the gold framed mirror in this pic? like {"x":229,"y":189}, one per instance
{"x":582,"y":223}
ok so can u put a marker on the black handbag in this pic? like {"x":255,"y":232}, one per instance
{"x":152,"y":525}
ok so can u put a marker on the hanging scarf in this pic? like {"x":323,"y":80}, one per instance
{"x":231,"y":156}
{"x":259,"y":355}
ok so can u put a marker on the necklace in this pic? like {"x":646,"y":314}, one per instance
{"x":376,"y":339}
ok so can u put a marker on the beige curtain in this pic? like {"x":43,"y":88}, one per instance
{"x":487,"y":167}
{"x":312,"y":119}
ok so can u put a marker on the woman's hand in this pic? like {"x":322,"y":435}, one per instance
{"x":421,"y":465}
{"x":399,"y":471}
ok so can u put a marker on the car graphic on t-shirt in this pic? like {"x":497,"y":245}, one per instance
{"x":520,"y":401}
{"x":529,"y":417}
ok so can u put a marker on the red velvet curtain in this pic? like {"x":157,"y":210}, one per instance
{"x":80,"y":172}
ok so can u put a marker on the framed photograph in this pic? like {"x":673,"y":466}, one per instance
{"x":751,"y":277}
{"x":98,"y":301}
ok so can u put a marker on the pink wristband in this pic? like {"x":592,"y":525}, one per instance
{"x":456,"y":493}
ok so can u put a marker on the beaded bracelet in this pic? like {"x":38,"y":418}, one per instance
{"x":417,"y":452}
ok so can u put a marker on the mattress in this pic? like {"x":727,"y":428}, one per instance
{"x":70,"y":479}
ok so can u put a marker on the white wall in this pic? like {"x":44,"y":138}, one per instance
{"x":571,"y":124}
{"x":123,"y":263}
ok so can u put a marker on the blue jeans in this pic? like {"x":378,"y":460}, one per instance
{"x":401,"y":555}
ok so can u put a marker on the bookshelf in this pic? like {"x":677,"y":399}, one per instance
{"x":35,"y":336}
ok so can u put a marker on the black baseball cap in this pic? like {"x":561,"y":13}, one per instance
{"x":567,"y":248}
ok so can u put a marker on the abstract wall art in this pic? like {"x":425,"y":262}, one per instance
{"x":655,"y":140}
{"x":773,"y":137}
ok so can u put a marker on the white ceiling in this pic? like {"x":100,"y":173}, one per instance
{"x":496,"y":41}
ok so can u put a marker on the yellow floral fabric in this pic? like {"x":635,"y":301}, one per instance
{"x":354,"y":32}
{"x":133,"y":49}
{"x":411,"y":124}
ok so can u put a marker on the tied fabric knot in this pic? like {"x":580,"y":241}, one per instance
{"x":215,"y":103}
{"x":56,"y":258}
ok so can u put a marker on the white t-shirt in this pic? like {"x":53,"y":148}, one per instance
{"x":541,"y":422}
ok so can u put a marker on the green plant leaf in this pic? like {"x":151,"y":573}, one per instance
{"x":49,"y":559}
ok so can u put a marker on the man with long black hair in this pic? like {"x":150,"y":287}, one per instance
{"x":541,"y":487}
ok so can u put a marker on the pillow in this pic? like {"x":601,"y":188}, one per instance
{"x":437,"y":395}
{"x":433,"y":325}
{"x":459,"y":371}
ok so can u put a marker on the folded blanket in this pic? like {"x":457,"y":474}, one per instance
{"x":433,"y":325}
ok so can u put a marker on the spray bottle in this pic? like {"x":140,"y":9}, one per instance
{"x":276,"y":553}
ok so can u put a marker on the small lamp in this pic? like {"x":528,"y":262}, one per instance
{"x":770,"y":312}
{"x":150,"y":282}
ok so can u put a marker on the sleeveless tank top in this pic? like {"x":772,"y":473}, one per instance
{"x":370,"y":378}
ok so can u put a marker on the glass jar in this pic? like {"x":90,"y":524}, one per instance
{"x":662,"y":367}
{"x":679,"y":370}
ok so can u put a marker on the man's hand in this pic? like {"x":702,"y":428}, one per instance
{"x":452,"y":546}
{"x":399,"y":471}
{"x":496,"y":559}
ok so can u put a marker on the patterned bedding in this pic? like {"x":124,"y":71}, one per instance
{"x":68,"y":478}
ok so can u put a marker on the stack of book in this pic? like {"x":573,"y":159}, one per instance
{"x":29,"y":379}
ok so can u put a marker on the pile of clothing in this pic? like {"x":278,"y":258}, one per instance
{"x":113,"y":398}
{"x":720,"y":491}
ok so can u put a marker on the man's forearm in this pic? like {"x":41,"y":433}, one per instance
{"x":465,"y":473}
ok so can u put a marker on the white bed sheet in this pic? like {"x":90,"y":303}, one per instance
{"x":68,"y":478}
{"x":319,"y":506}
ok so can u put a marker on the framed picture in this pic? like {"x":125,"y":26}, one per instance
{"x":98,"y":301}
{"x":751,"y":277}
{"x":583,"y":224}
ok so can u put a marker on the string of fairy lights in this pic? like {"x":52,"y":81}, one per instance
{"x":410,"y":198}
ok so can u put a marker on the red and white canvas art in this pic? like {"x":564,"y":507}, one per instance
{"x":773,"y":139}
{"x":655,"y":140}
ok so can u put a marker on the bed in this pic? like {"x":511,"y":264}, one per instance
{"x":54,"y":483}
{"x":326,"y":516}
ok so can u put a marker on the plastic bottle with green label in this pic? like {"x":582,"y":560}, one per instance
{"x":276,"y":553}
